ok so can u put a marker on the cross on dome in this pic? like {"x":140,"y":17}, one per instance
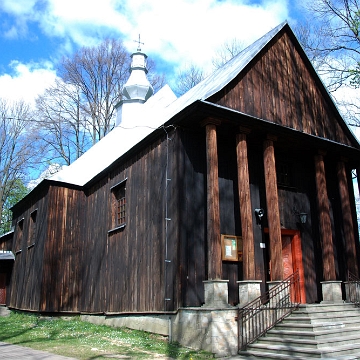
{"x":139,"y":42}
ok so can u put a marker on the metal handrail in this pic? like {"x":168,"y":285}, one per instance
{"x":264,"y":312}
{"x":353,"y":289}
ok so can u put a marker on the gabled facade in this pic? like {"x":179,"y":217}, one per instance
{"x":239,"y":157}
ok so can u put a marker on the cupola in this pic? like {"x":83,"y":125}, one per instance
{"x":138,"y":86}
{"x":136,"y":91}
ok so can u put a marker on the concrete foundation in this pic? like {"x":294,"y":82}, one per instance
{"x":212,"y":327}
{"x":331,"y":292}
{"x":213,"y":330}
{"x":352,"y":291}
{"x":216,"y":294}
{"x":249,"y":290}
{"x":158,"y":324}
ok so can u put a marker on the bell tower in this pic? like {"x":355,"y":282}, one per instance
{"x":136,"y":91}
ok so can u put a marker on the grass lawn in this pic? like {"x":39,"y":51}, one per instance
{"x":83,"y":340}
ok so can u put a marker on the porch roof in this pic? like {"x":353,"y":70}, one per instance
{"x":6,"y":255}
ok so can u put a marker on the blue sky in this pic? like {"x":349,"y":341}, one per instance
{"x":35,"y":34}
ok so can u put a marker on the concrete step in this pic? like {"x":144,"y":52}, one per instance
{"x":312,"y":343}
{"x":326,"y":331}
{"x":310,"y":334}
{"x":290,"y":350}
{"x":326,"y":307}
{"x":266,"y":355}
{"x":319,"y":326}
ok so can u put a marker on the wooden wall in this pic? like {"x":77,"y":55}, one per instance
{"x":279,"y":87}
{"x":79,"y":263}
{"x":63,"y":251}
{"x":26,"y":284}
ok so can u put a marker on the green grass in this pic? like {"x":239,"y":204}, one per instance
{"x":83,"y":340}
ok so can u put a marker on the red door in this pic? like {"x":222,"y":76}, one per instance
{"x":2,"y":289}
{"x":292,"y":258}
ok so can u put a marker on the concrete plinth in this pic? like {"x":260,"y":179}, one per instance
{"x":331,"y":292}
{"x":352,"y":291}
{"x":216,"y":294}
{"x":249,"y":290}
{"x":213,"y":330}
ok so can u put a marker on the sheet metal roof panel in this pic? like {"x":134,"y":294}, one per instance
{"x":120,"y":140}
{"x":6,"y":255}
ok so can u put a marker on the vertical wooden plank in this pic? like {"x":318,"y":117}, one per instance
{"x":245,"y":206}
{"x":213,"y":209}
{"x":347,"y":219}
{"x":273,"y":214}
{"x":325,"y":222}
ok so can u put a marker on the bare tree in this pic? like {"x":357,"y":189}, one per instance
{"x":79,"y":109}
{"x":99,"y":73}
{"x":227,"y":51}
{"x":188,"y":78}
{"x":63,"y":122}
{"x":192,"y":74}
{"x":332,"y":41}
{"x":156,"y":80}
{"x":18,"y":150}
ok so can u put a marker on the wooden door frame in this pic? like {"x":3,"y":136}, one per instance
{"x":296,"y":257}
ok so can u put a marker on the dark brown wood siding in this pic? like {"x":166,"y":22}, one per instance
{"x":26,"y":278}
{"x":128,"y":270}
{"x":278,"y":86}
{"x":192,"y":195}
{"x":192,"y":192}
{"x":63,"y":245}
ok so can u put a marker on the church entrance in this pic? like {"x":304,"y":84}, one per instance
{"x":292,"y":257}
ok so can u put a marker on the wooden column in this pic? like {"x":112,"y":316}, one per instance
{"x":349,"y":234}
{"x":213,"y":207}
{"x":325,"y":222}
{"x":245,"y":205}
{"x":273,"y":214}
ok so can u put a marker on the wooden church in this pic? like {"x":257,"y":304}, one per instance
{"x":247,"y":176}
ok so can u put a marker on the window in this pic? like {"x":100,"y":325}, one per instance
{"x":19,"y":236}
{"x":284,"y":174}
{"x":119,"y":205}
{"x":32,"y":235}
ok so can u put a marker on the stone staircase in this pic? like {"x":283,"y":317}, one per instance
{"x":330,"y":331}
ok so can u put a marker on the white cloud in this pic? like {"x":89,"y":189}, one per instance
{"x":187,"y":31}
{"x":28,"y":81}
{"x":18,"y":7}
{"x":178,"y":32}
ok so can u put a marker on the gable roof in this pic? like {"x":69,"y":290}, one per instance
{"x":120,"y":140}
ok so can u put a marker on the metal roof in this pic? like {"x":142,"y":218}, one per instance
{"x":120,"y":140}
{"x":156,"y":112}
{"x":6,"y":255}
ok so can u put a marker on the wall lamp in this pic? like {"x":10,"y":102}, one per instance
{"x":259,"y":214}
{"x":302,"y":216}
